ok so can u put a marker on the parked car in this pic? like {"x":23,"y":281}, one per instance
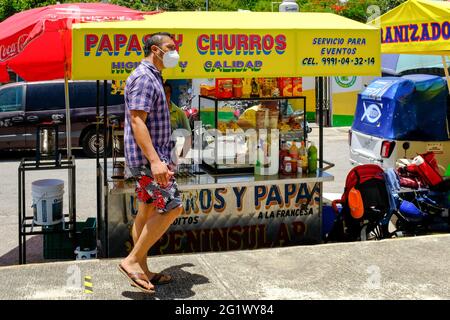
{"x":25,"y":105}
{"x":400,"y":117}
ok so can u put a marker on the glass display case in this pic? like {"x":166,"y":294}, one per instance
{"x":230,"y":127}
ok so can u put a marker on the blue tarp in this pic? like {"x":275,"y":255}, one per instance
{"x":413,"y":107}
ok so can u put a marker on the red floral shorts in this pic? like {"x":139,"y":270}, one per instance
{"x":149,"y":191}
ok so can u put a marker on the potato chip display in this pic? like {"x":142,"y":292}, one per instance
{"x":285,"y":87}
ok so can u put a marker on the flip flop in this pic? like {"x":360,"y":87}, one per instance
{"x":157,"y":279}
{"x":133,"y":277}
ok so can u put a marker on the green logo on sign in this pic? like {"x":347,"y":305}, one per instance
{"x":345,"y":82}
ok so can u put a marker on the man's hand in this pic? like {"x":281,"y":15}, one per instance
{"x":161,"y":173}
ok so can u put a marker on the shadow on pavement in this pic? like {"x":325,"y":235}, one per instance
{"x":34,"y":253}
{"x":180,"y":288}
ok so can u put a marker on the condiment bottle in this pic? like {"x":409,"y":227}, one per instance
{"x":255,"y":88}
{"x":294,"y":166}
{"x":287,"y":166}
{"x":303,"y":154}
{"x":293,"y":151}
{"x":284,"y":152}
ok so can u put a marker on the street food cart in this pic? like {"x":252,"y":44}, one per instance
{"x":234,"y":210}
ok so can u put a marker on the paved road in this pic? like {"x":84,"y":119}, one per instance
{"x":335,"y":149}
{"x":405,"y":268}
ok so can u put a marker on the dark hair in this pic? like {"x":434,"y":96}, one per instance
{"x":156,"y":39}
{"x":168,"y":85}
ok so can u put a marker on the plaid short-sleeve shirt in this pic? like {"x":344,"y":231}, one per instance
{"x":144,"y":91}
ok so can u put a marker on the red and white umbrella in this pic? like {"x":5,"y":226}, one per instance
{"x":37,"y":44}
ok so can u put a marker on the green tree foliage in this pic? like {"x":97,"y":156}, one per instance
{"x":167,"y":5}
{"x":387,"y":5}
{"x":357,"y":9}
{"x":6,"y":9}
{"x":10,"y":7}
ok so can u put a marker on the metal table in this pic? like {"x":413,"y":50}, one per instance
{"x":26,"y":224}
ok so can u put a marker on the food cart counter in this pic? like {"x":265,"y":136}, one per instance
{"x":231,"y":212}
{"x":227,"y":214}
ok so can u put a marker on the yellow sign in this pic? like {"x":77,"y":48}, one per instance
{"x":106,"y":51}
{"x":416,"y":27}
{"x":338,"y":54}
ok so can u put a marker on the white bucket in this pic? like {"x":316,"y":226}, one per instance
{"x":85,"y":255}
{"x":47,"y":201}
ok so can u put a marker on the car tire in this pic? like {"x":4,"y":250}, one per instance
{"x":89,"y":144}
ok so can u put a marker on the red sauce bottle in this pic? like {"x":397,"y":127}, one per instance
{"x":284,"y":152}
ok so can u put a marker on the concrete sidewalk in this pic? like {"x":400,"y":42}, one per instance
{"x":406,"y":268}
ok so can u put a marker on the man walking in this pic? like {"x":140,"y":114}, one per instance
{"x":147,"y":154}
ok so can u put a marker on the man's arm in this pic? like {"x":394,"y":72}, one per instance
{"x":159,"y":170}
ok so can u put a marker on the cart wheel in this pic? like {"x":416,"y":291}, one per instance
{"x":89,"y":144}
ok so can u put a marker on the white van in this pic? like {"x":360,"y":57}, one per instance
{"x":399,"y":118}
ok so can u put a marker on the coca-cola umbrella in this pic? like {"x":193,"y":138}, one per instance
{"x":37,"y":44}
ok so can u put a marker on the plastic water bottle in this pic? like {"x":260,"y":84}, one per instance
{"x":312,"y":158}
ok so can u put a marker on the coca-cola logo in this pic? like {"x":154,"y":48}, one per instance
{"x":10,"y":50}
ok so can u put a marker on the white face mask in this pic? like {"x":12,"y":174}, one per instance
{"x":170,"y":58}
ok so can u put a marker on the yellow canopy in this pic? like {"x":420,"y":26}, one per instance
{"x":416,"y":27}
{"x":231,"y":44}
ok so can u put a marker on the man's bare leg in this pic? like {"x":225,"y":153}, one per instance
{"x":153,"y":229}
{"x":145,"y":211}
{"x":148,"y":211}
